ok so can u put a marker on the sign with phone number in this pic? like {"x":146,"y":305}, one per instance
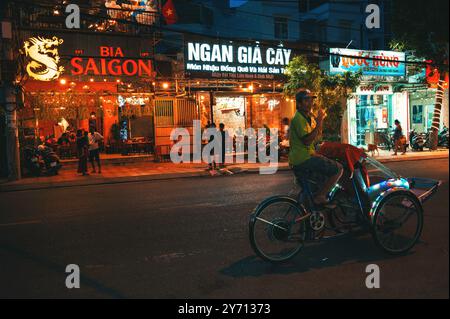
{"x":371,"y":63}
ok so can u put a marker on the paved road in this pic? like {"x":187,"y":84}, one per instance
{"x":187,"y":238}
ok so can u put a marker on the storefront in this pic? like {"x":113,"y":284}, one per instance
{"x":422,"y":105}
{"x":81,"y":81}
{"x":373,"y":108}
{"x":372,"y":111}
{"x":238,"y":84}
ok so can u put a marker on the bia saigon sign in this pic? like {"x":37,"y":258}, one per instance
{"x":44,"y":62}
{"x":111,"y":62}
{"x":370,"y":63}
{"x":235,"y":61}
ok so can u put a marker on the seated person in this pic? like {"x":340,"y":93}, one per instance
{"x":347,"y":154}
{"x":303,"y":131}
{"x":63,"y":140}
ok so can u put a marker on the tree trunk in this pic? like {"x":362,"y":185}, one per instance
{"x":437,"y":112}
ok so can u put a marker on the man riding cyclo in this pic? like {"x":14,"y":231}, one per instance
{"x":304,"y":131}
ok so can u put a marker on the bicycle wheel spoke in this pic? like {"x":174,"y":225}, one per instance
{"x":272,"y":224}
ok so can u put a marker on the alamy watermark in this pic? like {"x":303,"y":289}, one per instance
{"x":373,"y":279}
{"x":73,"y":277}
{"x":260,"y":146}
{"x":373,"y":20}
{"x":73,"y":17}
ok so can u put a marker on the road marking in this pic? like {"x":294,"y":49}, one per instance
{"x":193,"y":205}
{"x":28,"y":222}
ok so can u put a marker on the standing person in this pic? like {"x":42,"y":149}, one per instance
{"x":303,"y":132}
{"x":82,"y":152}
{"x":222,"y":138}
{"x":212,"y":161}
{"x":92,"y":122}
{"x":285,"y":123}
{"x":399,"y":138}
{"x":94,"y":148}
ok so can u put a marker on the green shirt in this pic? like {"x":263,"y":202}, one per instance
{"x":300,"y":127}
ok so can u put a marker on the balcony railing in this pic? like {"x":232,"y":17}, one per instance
{"x":101,"y":19}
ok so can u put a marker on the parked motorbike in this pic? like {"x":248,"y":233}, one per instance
{"x":416,"y":141}
{"x":32,"y":161}
{"x":41,"y":161}
{"x":386,"y":140}
{"x":443,"y":137}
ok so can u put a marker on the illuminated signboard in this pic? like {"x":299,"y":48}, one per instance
{"x":44,"y":58}
{"x":82,"y":57}
{"x":372,"y":89}
{"x":235,"y":61}
{"x":133,"y":100}
{"x":112,"y":62}
{"x":371,"y":63}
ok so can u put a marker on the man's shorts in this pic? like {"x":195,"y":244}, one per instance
{"x":94,"y":155}
{"x":317,"y":164}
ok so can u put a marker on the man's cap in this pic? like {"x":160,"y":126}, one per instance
{"x":305,"y":93}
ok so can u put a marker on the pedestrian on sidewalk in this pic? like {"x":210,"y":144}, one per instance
{"x":399,"y":138}
{"x":223,"y":148}
{"x":82,"y":152}
{"x":94,"y":149}
{"x":212,"y":155}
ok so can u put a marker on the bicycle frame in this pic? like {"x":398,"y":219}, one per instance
{"x":305,"y":197}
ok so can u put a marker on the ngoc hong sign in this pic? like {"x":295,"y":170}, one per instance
{"x":235,"y":61}
{"x":371,"y":63}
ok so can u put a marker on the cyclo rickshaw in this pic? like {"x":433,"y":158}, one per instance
{"x":369,"y":197}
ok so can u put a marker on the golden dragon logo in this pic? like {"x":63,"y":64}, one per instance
{"x":44,"y":53}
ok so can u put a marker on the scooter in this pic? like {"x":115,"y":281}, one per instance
{"x":443,"y":137}
{"x":50,"y":159}
{"x":32,"y":160}
{"x":386,"y":139}
{"x":416,"y":141}
{"x":41,"y":160}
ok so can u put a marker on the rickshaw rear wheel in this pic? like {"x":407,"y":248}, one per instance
{"x":397,"y":222}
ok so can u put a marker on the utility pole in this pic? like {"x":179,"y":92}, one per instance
{"x":8,"y":92}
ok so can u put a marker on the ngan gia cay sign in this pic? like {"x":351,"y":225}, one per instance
{"x":236,"y":61}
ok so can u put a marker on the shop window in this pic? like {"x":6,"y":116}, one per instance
{"x":417,"y":114}
{"x":230,"y":111}
{"x":266,"y":111}
{"x":281,"y":27}
{"x":141,"y":127}
{"x":430,"y":114}
{"x":372,"y":113}
{"x":345,"y":30}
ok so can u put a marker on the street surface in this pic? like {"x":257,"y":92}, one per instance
{"x":188,"y":238}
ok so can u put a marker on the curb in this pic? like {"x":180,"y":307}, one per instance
{"x":5,"y":188}
{"x":100,"y":181}
{"x":413,"y":158}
